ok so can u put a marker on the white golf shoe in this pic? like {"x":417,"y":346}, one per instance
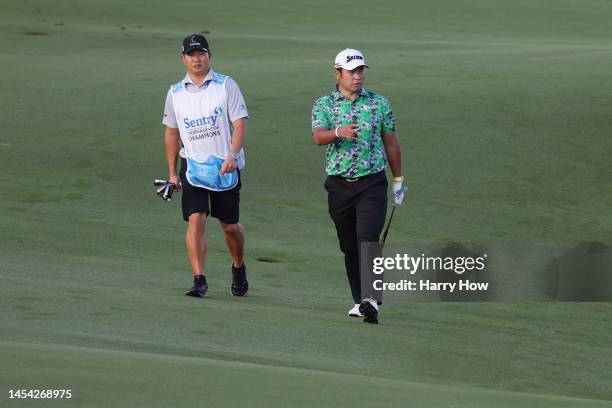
{"x":354,"y":312}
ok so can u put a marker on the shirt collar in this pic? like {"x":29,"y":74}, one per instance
{"x":209,"y":77}
{"x":336,"y":94}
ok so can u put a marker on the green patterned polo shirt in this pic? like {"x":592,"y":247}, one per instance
{"x":373,"y":114}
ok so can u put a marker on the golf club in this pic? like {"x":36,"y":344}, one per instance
{"x":165,"y":189}
{"x":384,"y":237}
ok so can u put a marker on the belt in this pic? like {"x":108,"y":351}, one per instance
{"x":353,"y":179}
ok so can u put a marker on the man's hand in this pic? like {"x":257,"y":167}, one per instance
{"x":229,"y":165}
{"x":348,"y":131}
{"x":398,"y":193}
{"x":176,"y":181}
{"x":325,"y":136}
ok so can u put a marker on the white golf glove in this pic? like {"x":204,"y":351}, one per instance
{"x":398,"y":193}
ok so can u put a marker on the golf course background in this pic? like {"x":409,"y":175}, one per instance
{"x":503,"y":113}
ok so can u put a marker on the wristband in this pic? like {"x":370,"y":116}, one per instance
{"x":336,"y":132}
{"x":399,"y":179}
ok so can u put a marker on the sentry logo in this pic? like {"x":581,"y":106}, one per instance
{"x":349,"y":58}
{"x":204,"y":120}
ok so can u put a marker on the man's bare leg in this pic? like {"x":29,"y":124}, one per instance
{"x":196,"y":243}
{"x":234,"y":238}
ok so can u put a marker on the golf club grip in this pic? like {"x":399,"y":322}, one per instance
{"x":167,"y":190}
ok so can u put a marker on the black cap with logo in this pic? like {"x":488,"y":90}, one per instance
{"x":194,"y":42}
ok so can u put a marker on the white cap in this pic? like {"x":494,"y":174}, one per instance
{"x":350,"y":59}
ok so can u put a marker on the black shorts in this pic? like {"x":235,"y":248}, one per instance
{"x":224,"y":205}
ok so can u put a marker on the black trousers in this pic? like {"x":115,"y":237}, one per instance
{"x":358,"y":209}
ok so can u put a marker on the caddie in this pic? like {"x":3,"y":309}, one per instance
{"x":357,"y":126}
{"x":205,"y":119}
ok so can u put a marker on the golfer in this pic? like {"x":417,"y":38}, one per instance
{"x":205,"y":121}
{"x":358,"y":128}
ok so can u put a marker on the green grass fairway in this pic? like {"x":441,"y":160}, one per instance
{"x":504,"y":116}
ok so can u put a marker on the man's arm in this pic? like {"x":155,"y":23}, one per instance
{"x":238,"y":115}
{"x":394,"y":154}
{"x":238,"y":135}
{"x":324,"y":131}
{"x":322,"y":136}
{"x":172,"y":145}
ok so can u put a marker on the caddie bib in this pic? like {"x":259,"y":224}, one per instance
{"x":207,"y":174}
{"x":203,"y":121}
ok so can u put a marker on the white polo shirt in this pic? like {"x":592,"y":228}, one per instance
{"x":204,"y":115}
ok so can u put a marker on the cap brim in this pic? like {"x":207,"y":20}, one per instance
{"x":188,"y":50}
{"x":352,"y":65}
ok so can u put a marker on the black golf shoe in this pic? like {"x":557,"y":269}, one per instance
{"x":240,"y":285}
{"x":199,"y":288}
{"x":369,"y":310}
